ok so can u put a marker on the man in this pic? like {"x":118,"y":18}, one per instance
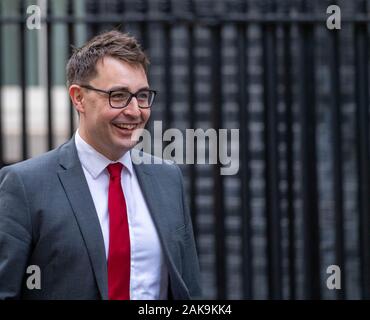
{"x":97,"y":225}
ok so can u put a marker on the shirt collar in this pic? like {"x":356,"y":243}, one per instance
{"x":94,"y":162}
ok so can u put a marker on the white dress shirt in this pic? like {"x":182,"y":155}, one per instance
{"x":149,"y":274}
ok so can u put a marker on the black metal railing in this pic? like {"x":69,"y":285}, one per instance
{"x":263,"y":233}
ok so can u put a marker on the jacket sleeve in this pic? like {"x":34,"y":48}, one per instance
{"x":15,"y":234}
{"x":191,"y":273}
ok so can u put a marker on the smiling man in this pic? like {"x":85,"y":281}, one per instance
{"x":95,"y":224}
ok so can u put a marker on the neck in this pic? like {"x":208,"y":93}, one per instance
{"x":106,"y":153}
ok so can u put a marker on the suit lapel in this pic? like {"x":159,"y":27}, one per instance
{"x":77,"y":191}
{"x":156,"y":203}
{"x":158,"y":208}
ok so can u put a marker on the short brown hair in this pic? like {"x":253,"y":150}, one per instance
{"x":81,"y":66}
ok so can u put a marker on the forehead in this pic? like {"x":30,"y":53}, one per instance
{"x":114,"y":72}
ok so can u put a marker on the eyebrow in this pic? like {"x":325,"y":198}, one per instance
{"x":117,"y":88}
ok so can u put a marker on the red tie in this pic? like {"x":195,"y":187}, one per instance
{"x":119,"y":238}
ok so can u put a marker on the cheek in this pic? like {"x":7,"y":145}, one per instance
{"x":145,"y":114}
{"x":103,"y":117}
{"x":92,"y":112}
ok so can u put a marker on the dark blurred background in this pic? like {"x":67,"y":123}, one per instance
{"x":298,"y":92}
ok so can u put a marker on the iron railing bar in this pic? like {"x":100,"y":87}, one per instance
{"x":192,"y":123}
{"x":288,"y":98}
{"x":218,"y":200}
{"x":2,"y":135}
{"x":244,"y":171}
{"x":363,"y":158}
{"x":273,"y":213}
{"x":168,"y":65}
{"x":312,"y":282}
{"x":336,"y":136}
{"x":71,"y":38}
{"x":23,"y":82}
{"x":145,"y":39}
{"x":49,"y":83}
{"x":94,"y":19}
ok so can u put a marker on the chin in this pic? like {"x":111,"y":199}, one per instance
{"x":126,"y":146}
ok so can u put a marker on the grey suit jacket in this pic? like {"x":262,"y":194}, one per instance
{"x":48,"y":219}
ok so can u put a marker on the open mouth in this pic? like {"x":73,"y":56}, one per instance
{"x":126,"y":126}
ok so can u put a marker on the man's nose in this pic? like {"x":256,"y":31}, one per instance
{"x":132,"y":109}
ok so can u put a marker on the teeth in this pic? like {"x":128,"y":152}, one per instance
{"x":126,"y":126}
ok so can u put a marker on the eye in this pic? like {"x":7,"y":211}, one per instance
{"x":120,"y":95}
{"x":143,"y":95}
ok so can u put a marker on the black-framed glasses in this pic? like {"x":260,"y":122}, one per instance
{"x":120,"y":98}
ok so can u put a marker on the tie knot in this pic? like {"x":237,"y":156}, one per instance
{"x":115,"y":169}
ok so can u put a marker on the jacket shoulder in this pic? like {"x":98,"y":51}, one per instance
{"x":37,"y":165}
{"x":139,"y":157}
{"x":162,"y":168}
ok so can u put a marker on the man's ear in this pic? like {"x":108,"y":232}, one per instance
{"x":76,"y":95}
